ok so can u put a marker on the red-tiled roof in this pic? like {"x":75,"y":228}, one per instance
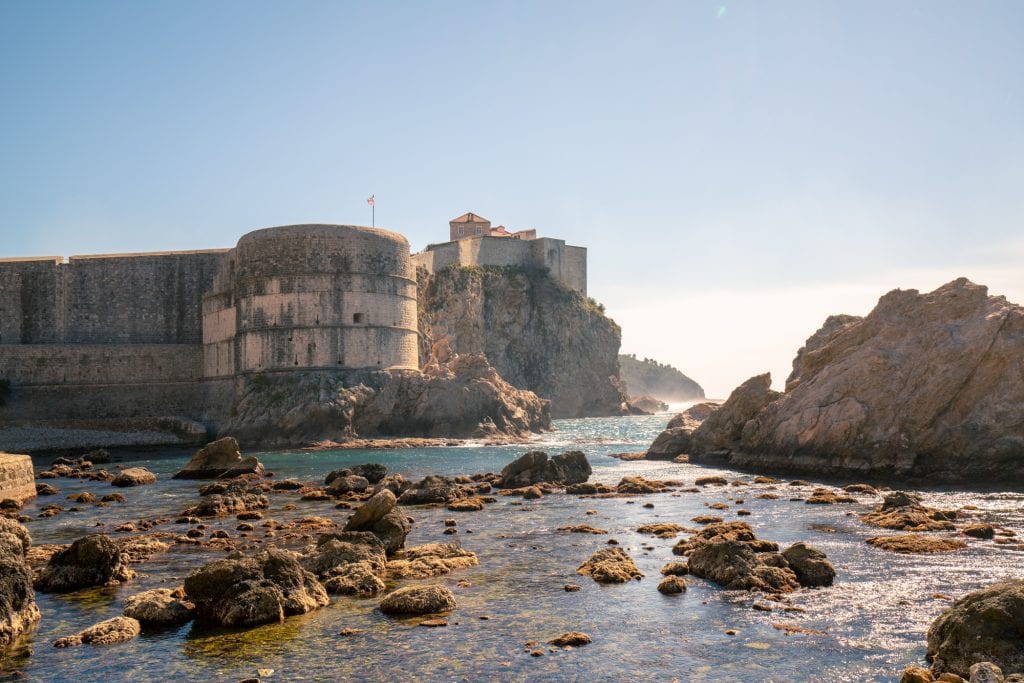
{"x":469,"y":218}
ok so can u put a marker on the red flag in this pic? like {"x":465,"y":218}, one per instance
{"x":371,"y":201}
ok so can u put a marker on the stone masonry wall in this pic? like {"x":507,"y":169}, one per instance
{"x":17,"y":480}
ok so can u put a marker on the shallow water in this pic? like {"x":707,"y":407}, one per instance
{"x":873,"y":620}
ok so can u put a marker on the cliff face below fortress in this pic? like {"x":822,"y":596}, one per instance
{"x":538,"y":334}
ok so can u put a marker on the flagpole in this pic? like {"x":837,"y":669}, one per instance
{"x":373,"y":215}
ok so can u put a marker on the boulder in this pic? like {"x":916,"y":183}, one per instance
{"x":648,"y":405}
{"x":432,"y":489}
{"x":349,"y":563}
{"x":610,"y":565}
{"x":570,"y":639}
{"x":220,"y":459}
{"x":676,"y":439}
{"x":18,"y":610}
{"x":380,"y":516}
{"x":810,"y":565}
{"x":250,"y":590}
{"x":134,"y":476}
{"x":431,"y":559}
{"x":431,"y":599}
{"x":926,"y":385}
{"x":109,"y":632}
{"x":92,"y":560}
{"x":984,"y":626}
{"x":672,"y":585}
{"x":237,"y":498}
{"x":734,"y":565}
{"x":535,"y":467}
{"x":158,"y":607}
{"x":351,"y":483}
{"x":916,"y":543}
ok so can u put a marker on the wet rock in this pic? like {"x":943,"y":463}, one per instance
{"x":735,"y":566}
{"x":904,"y":512}
{"x":431,"y":559}
{"x":83,"y":497}
{"x":372,"y":472}
{"x":351,"y":483}
{"x":379,"y":516}
{"x":675,"y":569}
{"x":286,"y":485}
{"x":158,"y":607}
{"x":134,"y":476}
{"x":572,"y":588}
{"x":136,"y":549}
{"x":109,"y":632}
{"x":986,"y":672}
{"x":18,"y":610}
{"x":113,"y":498}
{"x":711,"y":481}
{"x":349,"y":563}
{"x":570,"y":639}
{"x":474,"y":504}
{"x":397,"y":484}
{"x":983,"y":626}
{"x":531,"y":492}
{"x":236,"y":499}
{"x":916,"y":543}
{"x":220,"y":459}
{"x":535,"y":467}
{"x":610,"y":565}
{"x":983,"y":531}
{"x":46,"y":490}
{"x":588,"y":488}
{"x":916,"y":674}
{"x":677,"y":439}
{"x":721,"y":531}
{"x":661,"y":529}
{"x":258,"y":589}
{"x":861,"y":488}
{"x":810,"y":565}
{"x":431,"y":489}
{"x":582,"y":529}
{"x":431,"y":599}
{"x":640,"y":485}
{"x":93,"y":560}
{"x":672,"y":585}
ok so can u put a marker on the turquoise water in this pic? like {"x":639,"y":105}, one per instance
{"x":872,"y":621}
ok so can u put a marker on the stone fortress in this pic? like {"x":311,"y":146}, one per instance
{"x":123,"y":337}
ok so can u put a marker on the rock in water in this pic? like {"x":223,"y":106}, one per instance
{"x":734,"y":565}
{"x":109,"y":632}
{"x":18,"y":609}
{"x":379,"y":516}
{"x":349,"y":563}
{"x":926,"y":385}
{"x":134,"y":476}
{"x":259,"y":589}
{"x":158,"y":607}
{"x":610,"y":565}
{"x":220,"y":459}
{"x":535,"y":468}
{"x":432,"y":489}
{"x":92,"y":560}
{"x":810,"y":565}
{"x":418,"y":600}
{"x":983,"y":626}
{"x":676,"y":439}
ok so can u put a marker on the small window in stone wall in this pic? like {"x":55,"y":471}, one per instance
{"x":357,"y":318}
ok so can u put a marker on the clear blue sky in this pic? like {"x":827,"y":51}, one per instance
{"x":749,"y":151}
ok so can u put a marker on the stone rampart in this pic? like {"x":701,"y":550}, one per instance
{"x":17,"y":479}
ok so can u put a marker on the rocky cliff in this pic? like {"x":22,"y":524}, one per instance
{"x":462,"y":397}
{"x":539,"y":335}
{"x":926,"y":385}
{"x":648,"y":377}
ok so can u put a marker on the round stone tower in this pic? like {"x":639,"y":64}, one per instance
{"x":312,"y":297}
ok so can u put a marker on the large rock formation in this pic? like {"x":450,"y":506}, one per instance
{"x":463,"y":397}
{"x":18,"y":610}
{"x":662,"y":381}
{"x":220,"y":459}
{"x":983,"y":626}
{"x":539,"y":335}
{"x":92,"y":560}
{"x":535,"y":467}
{"x":926,"y":385}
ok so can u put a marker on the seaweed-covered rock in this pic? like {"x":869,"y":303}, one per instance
{"x":432,"y":489}
{"x":92,"y":560}
{"x":430,"y":599}
{"x":18,"y":609}
{"x":734,"y":565}
{"x":906,"y":544}
{"x":250,"y":590}
{"x":235,"y":499}
{"x":220,"y":459}
{"x":349,"y":563}
{"x":109,"y":632}
{"x":431,"y":559}
{"x":984,"y":626}
{"x":672,"y":585}
{"x":536,"y":467}
{"x":610,"y":565}
{"x":158,"y":607}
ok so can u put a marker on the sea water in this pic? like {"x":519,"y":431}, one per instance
{"x":872,"y":622}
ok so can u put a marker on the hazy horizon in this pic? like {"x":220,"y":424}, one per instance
{"x":737,"y":171}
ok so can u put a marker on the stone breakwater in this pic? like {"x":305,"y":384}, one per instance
{"x":17,"y":479}
{"x":925,"y":386}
